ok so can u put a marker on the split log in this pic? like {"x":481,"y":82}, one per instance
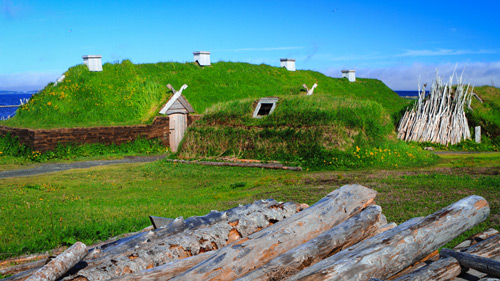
{"x":181,"y":239}
{"x":488,"y":248}
{"x":485,"y":265}
{"x":241,"y":257}
{"x":382,"y":258}
{"x":61,"y":264}
{"x":343,"y":235}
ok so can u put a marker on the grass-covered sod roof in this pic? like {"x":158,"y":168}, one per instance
{"x":128,"y":93}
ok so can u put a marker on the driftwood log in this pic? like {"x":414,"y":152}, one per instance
{"x":343,"y":235}
{"x":61,"y":264}
{"x":485,"y":265}
{"x":23,"y":267}
{"x":243,"y":256}
{"x":386,"y":254}
{"x":181,"y":239}
{"x":272,"y":166}
{"x":367,"y":223}
{"x":447,"y":268}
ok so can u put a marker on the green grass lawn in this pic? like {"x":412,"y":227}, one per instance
{"x":42,"y":212}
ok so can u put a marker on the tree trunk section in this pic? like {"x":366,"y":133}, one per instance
{"x":488,"y":248}
{"x":241,"y":257}
{"x":382,"y":258}
{"x":341,"y":236}
{"x":61,"y":264}
{"x":198,"y":235}
{"x":485,"y":265}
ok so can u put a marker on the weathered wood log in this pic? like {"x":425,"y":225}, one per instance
{"x":23,"y":259}
{"x":61,"y":264}
{"x":240,"y":257}
{"x":442,"y":269}
{"x":198,"y":235}
{"x":343,"y":235}
{"x":474,"y":239}
{"x":24,"y":267}
{"x":172,"y":269}
{"x":485,"y":265}
{"x":488,"y":248}
{"x":434,"y":256}
{"x":123,"y":246}
{"x":273,"y":166}
{"x":169,"y":270}
{"x":382,"y":258}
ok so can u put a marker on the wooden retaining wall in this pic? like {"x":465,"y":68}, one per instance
{"x":43,"y":140}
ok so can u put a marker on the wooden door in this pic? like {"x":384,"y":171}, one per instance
{"x":177,"y":126}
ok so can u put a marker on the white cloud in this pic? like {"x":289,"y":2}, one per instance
{"x":407,"y":77}
{"x":27,"y":81}
{"x":443,"y":52}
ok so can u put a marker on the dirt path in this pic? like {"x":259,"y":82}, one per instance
{"x":57,"y":167}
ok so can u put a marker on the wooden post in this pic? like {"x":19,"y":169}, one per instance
{"x":477,"y":134}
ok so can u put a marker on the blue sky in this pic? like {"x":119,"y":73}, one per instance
{"x":398,"y":42}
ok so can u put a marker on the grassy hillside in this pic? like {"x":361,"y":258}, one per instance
{"x":128,"y":93}
{"x":486,"y":114}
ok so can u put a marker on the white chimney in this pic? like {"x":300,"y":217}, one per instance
{"x":349,"y":74}
{"x":203,"y":58}
{"x":93,"y":62}
{"x":289,"y":64}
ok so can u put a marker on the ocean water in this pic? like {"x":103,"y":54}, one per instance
{"x":12,"y":98}
{"x":409,"y":93}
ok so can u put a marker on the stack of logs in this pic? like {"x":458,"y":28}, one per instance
{"x":344,"y":236}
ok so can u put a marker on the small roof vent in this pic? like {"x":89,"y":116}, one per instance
{"x":93,"y":62}
{"x":289,"y":64}
{"x":349,"y":74}
{"x":202,"y":57}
